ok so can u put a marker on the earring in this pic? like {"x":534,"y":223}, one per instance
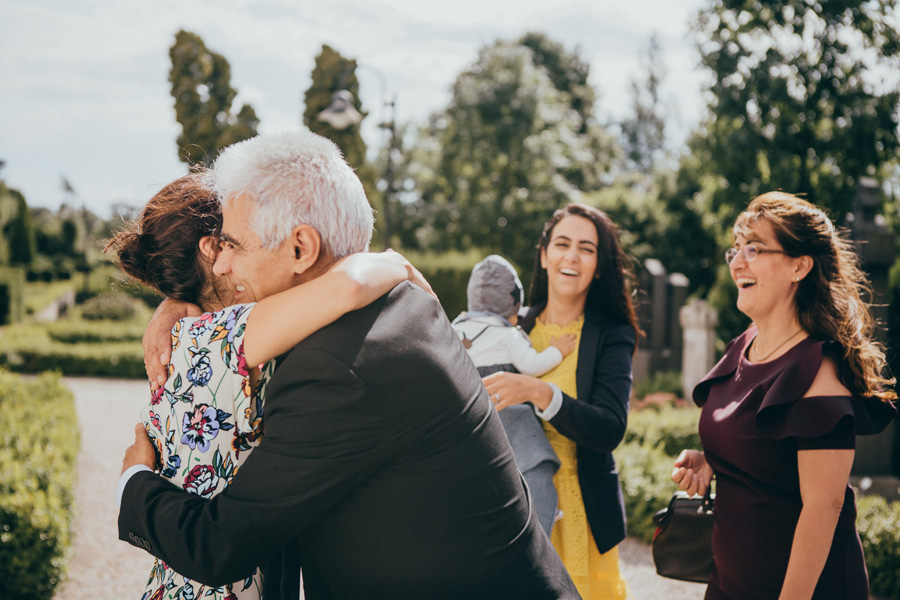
{"x":797,"y":279}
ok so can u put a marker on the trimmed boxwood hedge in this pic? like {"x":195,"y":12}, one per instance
{"x":448,"y":273}
{"x":654,"y":439}
{"x":75,"y":347}
{"x":38,"y":447}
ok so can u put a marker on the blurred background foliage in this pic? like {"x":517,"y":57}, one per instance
{"x":795,"y":100}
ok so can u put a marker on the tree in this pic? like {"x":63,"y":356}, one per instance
{"x":509,"y":149}
{"x":644,"y":131}
{"x":20,"y":232}
{"x":795,"y":98}
{"x":332,"y":73}
{"x":796,"y":102}
{"x":568,"y":72}
{"x":201,"y":87}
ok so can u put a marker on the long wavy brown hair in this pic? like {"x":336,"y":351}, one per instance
{"x":161,"y":247}
{"x":610,"y":291}
{"x":829,"y":301}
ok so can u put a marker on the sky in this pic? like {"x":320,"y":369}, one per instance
{"x":85,"y":97}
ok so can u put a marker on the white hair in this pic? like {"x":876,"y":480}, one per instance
{"x":297,"y":179}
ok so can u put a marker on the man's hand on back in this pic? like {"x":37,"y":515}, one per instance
{"x":141,"y":451}
{"x":157,"y":340}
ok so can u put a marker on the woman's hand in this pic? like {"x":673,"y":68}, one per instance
{"x":692,"y":473}
{"x":507,"y":389}
{"x":157,"y":341}
{"x":379,"y":272}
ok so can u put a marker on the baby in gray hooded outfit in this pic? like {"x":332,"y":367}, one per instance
{"x":489,"y":333}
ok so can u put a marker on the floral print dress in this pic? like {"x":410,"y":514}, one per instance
{"x":203,"y":423}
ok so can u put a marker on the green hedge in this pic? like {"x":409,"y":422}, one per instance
{"x":645,"y":473}
{"x":38,"y":446}
{"x":102,"y":349}
{"x":39,"y":295}
{"x":448,"y":273}
{"x":669,"y":428}
{"x":656,"y":436}
{"x":74,"y":331}
{"x":12,"y":295}
{"x":111,"y":307}
{"x":879,"y":528}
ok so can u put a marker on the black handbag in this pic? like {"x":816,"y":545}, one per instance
{"x":682,"y":543}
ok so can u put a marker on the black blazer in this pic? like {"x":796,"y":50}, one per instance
{"x":596,"y":420}
{"x":383,"y":465}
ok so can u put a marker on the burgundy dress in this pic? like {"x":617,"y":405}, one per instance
{"x":754,"y":420}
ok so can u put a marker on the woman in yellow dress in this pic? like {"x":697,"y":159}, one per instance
{"x":581,"y":285}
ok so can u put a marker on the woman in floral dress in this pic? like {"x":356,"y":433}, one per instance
{"x":207,"y":417}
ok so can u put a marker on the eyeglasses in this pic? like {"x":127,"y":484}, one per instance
{"x":749,"y":252}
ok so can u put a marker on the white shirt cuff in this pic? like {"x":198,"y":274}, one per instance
{"x":554,"y":406}
{"x":123,"y":480}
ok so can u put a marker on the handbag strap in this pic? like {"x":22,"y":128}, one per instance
{"x":708,"y":500}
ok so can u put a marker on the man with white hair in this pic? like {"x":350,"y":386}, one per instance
{"x":383,"y":468}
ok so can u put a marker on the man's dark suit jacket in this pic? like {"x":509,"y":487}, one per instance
{"x":383,"y":464}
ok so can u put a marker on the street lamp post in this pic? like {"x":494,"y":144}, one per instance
{"x":341,"y":113}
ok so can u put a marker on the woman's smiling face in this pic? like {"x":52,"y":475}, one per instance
{"x":766,"y":282}
{"x":570,"y":257}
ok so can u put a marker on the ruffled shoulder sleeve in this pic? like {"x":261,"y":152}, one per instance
{"x":724,"y":368}
{"x":784,"y":412}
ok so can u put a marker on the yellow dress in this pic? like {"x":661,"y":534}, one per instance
{"x":595,"y":575}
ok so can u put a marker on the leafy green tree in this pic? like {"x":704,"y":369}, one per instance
{"x":568,"y":72}
{"x":19,"y":232}
{"x":795,"y":97}
{"x":508,"y":150}
{"x":644,"y":131}
{"x":334,"y":72}
{"x":201,"y":87}
{"x":796,"y":102}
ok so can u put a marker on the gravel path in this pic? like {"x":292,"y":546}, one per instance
{"x":104,"y":568}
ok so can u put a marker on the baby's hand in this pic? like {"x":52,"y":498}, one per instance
{"x":564,"y":343}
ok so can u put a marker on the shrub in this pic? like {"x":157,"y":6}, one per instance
{"x":31,"y":349}
{"x":879,"y":528}
{"x":39,"y":295}
{"x":668,"y":428}
{"x":112,"y":307}
{"x":75,"y":331}
{"x":662,"y":381}
{"x":38,"y":447}
{"x":12,"y":294}
{"x":645,"y":473}
{"x":448,"y":273}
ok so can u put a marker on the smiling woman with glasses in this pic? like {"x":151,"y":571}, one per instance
{"x":782,"y":409}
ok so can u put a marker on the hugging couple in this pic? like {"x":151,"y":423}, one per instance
{"x":312,"y":408}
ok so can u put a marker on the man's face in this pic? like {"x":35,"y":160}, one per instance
{"x":255,"y":272}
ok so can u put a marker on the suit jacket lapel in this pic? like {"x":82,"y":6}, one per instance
{"x":587,"y":357}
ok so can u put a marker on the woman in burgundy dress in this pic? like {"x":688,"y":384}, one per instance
{"x":782,"y":408}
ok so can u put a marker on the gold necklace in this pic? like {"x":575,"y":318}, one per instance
{"x":763,"y":358}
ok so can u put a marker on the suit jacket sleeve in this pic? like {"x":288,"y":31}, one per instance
{"x":308,"y":460}
{"x":598,"y":420}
